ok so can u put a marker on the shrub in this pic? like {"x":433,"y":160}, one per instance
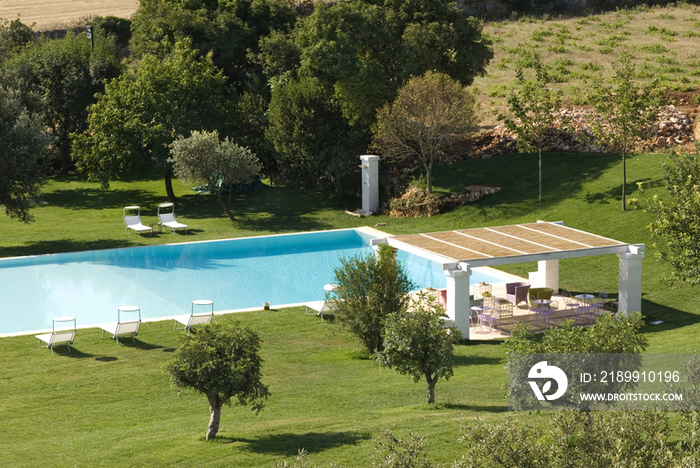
{"x":368,"y":289}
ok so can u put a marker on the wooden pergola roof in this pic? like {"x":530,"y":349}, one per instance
{"x":501,"y":245}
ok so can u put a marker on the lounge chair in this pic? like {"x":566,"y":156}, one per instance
{"x":517,"y":292}
{"x":167,"y":218}
{"x":319,"y":307}
{"x":58,"y":337}
{"x":133,"y":222}
{"x":126,"y":327}
{"x":189,"y":321}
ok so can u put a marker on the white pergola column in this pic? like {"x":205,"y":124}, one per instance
{"x":547,"y":275}
{"x":458,"y":304}
{"x":630,"y":283}
{"x":548,"y":271}
{"x":370,"y":183}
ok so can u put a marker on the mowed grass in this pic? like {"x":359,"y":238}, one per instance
{"x":105,"y":404}
{"x":108,"y":405}
{"x":578,"y":49}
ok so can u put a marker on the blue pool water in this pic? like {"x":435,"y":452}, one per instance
{"x":163,"y":280}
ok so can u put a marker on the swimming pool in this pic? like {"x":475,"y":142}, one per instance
{"x":163,"y":280}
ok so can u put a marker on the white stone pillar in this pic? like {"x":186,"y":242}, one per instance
{"x":370,"y":183}
{"x":630,"y":281}
{"x":548,"y":270}
{"x":458,"y":304}
{"x":548,"y":274}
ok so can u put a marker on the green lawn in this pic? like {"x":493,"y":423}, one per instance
{"x":104,"y":405}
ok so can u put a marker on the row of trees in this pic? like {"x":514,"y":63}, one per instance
{"x":301,"y":91}
{"x":625,"y":113}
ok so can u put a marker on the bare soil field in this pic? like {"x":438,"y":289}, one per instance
{"x":55,"y":14}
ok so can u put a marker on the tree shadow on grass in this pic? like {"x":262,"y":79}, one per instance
{"x":561,"y":173}
{"x":475,"y":361}
{"x":89,"y":198}
{"x":63,"y":246}
{"x":670,"y":317}
{"x":475,"y":408}
{"x":288,"y":445}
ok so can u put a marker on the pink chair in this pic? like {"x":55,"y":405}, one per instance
{"x":442,"y":295}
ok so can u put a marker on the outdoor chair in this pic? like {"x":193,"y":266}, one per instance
{"x":540,"y":293}
{"x":189,"y":321}
{"x":133,"y":222}
{"x":319,"y":307}
{"x":598,"y":304}
{"x":167,"y":218}
{"x":58,"y":337}
{"x":124,"y":327}
{"x":490,"y":317}
{"x":517,"y":292}
{"x":570,"y":303}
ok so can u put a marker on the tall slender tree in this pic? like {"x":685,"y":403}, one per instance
{"x":624,"y":113}
{"x":532,"y":108}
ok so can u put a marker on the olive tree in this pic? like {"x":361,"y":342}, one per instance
{"x":368,"y":289}
{"x":222,"y":361}
{"x":430,"y":114}
{"x":417,"y":343}
{"x":24,"y":145}
{"x":677,"y":224}
{"x":205,"y":160}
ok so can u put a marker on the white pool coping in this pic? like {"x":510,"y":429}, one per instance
{"x":507,"y":277}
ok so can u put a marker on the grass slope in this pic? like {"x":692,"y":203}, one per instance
{"x":663,"y":41}
{"x":102,"y":404}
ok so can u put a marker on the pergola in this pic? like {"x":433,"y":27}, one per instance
{"x":544,"y":242}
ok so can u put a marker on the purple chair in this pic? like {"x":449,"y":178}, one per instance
{"x":517,"y":292}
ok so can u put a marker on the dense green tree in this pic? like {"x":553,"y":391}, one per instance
{"x":361,"y":53}
{"x":315,"y":146}
{"x":222,"y":361}
{"x":58,"y":80}
{"x":14,"y":36}
{"x":203,"y":159}
{"x":430,"y":114}
{"x":146,"y":109}
{"x":228,"y":29}
{"x":625,"y":113}
{"x":417,"y":343}
{"x":532,"y":108}
{"x":677,"y":226}
{"x":23,"y":146}
{"x":365,"y":51}
{"x":368,"y":289}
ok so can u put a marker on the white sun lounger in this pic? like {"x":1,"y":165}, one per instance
{"x":319,"y":307}
{"x":58,"y":337}
{"x":133,"y":222}
{"x":193,"y":319}
{"x":126,"y":327}
{"x":168,"y":218}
